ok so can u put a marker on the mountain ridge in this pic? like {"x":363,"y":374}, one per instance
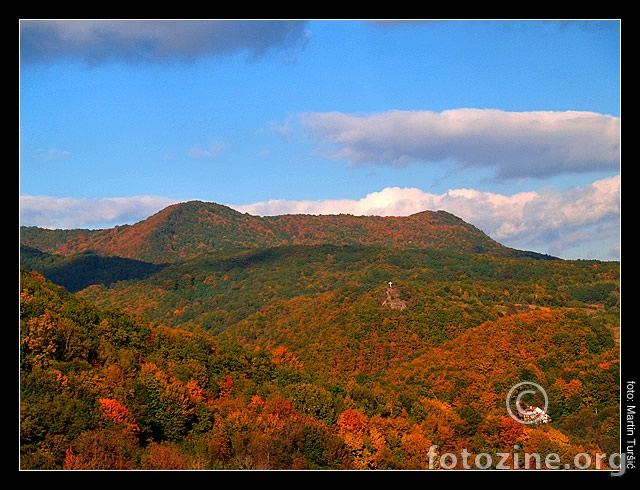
{"x":184,"y":230}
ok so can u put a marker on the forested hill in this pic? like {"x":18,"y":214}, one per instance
{"x":321,"y":382}
{"x":186,"y":230}
{"x":204,"y":338}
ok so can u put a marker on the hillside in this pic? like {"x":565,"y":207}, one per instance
{"x":203,"y":338}
{"x":103,"y":389}
{"x":215,"y":291}
{"x":186,"y":230}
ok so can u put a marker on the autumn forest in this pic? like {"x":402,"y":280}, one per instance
{"x":206,"y":339}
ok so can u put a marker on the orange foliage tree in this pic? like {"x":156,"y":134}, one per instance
{"x":113,"y":410}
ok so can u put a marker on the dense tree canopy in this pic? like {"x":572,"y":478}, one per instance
{"x":203,"y":338}
{"x":332,"y":380}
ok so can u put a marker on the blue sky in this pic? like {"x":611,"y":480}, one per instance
{"x":512,"y":125}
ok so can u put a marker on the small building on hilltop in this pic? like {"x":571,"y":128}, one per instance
{"x":534,"y":414}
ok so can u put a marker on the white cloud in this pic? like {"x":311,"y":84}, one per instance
{"x":515,"y":144}
{"x":212,"y":151}
{"x":285,"y":128}
{"x":68,"y":213}
{"x":51,"y":154}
